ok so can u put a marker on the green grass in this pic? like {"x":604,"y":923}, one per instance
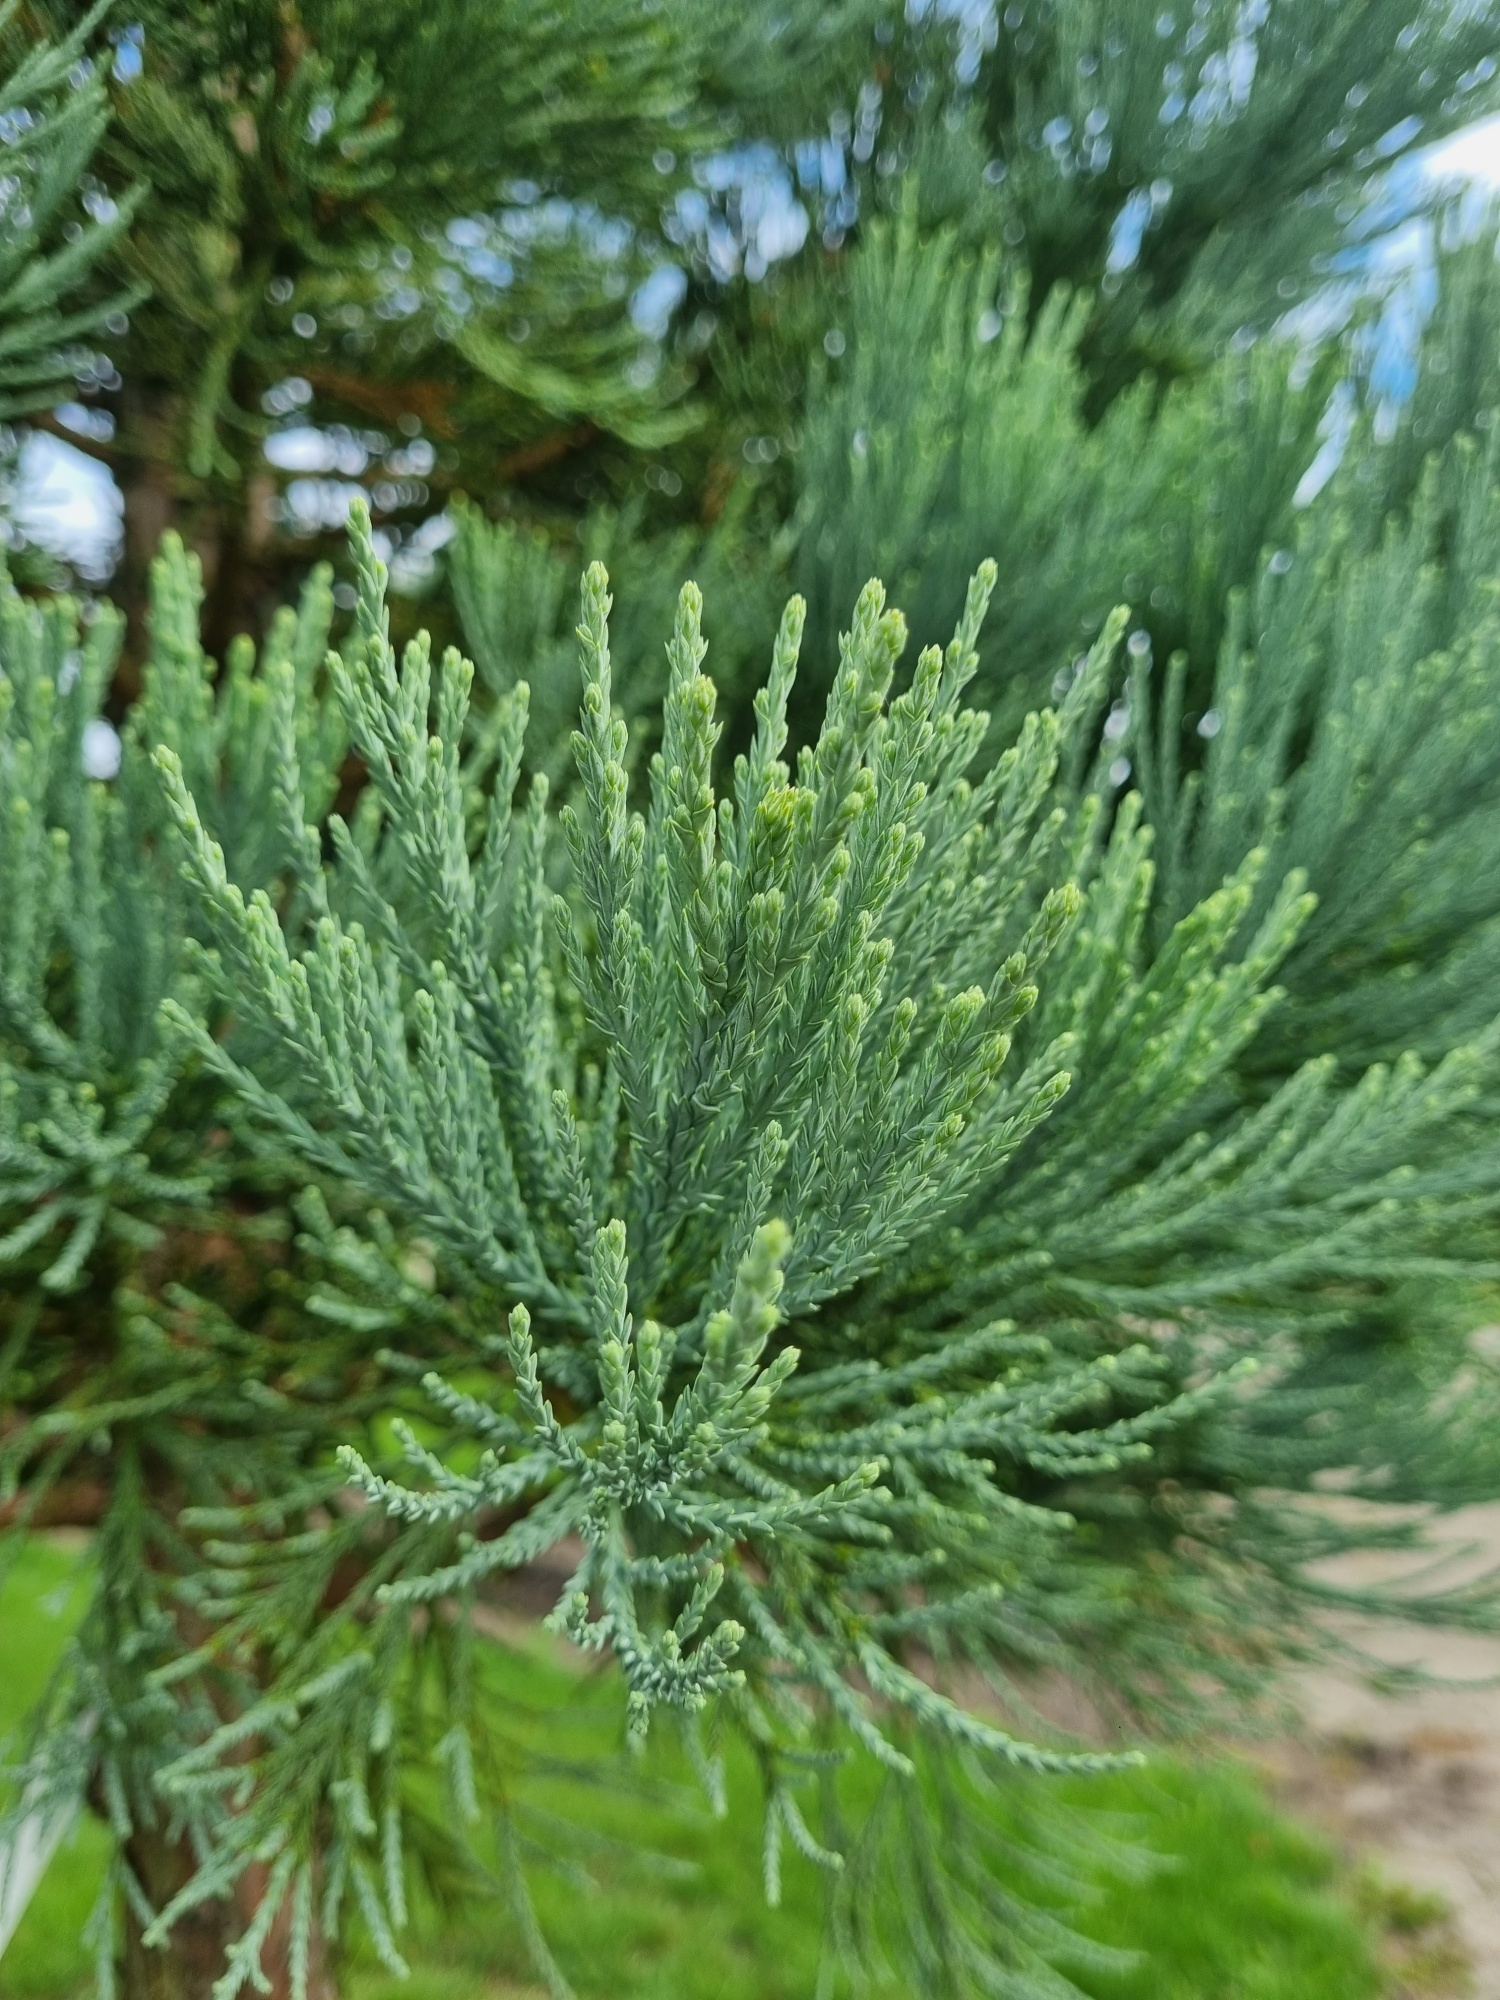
{"x":43,"y":1594}
{"x":1245,"y":1905}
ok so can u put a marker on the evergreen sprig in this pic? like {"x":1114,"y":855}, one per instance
{"x":834,"y":1315}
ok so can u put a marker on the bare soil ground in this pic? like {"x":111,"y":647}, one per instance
{"x":1410,"y":1781}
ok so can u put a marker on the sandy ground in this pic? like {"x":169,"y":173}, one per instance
{"x":1411,"y":1781}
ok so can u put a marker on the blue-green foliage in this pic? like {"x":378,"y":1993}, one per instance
{"x":134,"y":1224}
{"x":53,"y":111}
{"x":93,"y":920}
{"x":896,"y":1266}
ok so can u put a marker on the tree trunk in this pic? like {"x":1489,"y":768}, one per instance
{"x":195,"y":1954}
{"x":148,"y":417}
{"x":243,"y":581}
{"x":228,"y":524}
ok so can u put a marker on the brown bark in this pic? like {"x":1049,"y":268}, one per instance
{"x":148,"y":420}
{"x":243,"y":581}
{"x":545,"y":451}
{"x":195,"y":1954}
{"x":227,"y":523}
{"x":71,"y":1503}
{"x":387,"y":402}
{"x":186,"y":1967}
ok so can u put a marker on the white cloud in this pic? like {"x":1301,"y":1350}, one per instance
{"x":69,"y":504}
{"x":1470,"y":155}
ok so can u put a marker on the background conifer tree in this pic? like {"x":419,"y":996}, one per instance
{"x":1030,"y":217}
{"x":1195,"y":163}
{"x":421,"y":224}
{"x":1192,"y":167}
{"x":57,"y":222}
